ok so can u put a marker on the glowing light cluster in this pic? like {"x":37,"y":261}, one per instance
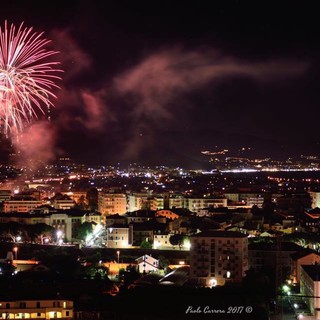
{"x":26,"y":77}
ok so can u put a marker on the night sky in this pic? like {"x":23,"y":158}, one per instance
{"x":156,"y":82}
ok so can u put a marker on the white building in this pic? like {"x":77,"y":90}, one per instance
{"x":147,"y":264}
{"x":196,"y":204}
{"x":21,"y":205}
{"x":176,"y":201}
{"x":310,"y":287}
{"x":255,"y":201}
{"x":134,"y":203}
{"x":218,"y":256}
{"x":157,"y":203}
{"x":112,"y":203}
{"x":63,"y":204}
{"x":119,"y":236}
{"x":161,"y":241}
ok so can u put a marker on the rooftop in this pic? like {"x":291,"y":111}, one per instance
{"x":219,"y":234}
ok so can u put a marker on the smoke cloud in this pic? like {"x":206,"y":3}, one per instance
{"x":36,"y":145}
{"x":73,"y":58}
{"x":166,"y":75}
{"x":157,"y":87}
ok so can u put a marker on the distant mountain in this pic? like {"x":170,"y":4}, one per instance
{"x":184,"y":148}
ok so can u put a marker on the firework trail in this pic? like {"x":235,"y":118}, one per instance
{"x":26,"y":78}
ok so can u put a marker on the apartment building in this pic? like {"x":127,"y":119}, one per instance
{"x":112,"y":203}
{"x":36,"y":309}
{"x":217,"y":257}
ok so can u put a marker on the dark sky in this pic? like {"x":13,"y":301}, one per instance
{"x":159,"y":81}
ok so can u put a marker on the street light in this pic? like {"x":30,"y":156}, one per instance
{"x":118,"y":254}
{"x":15,"y":250}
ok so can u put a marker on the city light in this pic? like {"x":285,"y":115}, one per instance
{"x":285,"y":288}
{"x":187,"y":244}
{"x":213,"y":282}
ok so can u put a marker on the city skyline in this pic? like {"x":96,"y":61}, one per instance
{"x":158,"y":83}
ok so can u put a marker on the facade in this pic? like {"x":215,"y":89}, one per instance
{"x":112,"y":203}
{"x":265,"y":256}
{"x":300,"y":259}
{"x":63,"y":204}
{"x":36,"y":309}
{"x":142,"y":232}
{"x":146,"y":264}
{"x":176,"y":201}
{"x":139,"y":216}
{"x":161,"y":241}
{"x":310,"y":287}
{"x":243,"y":196}
{"x":5,"y":195}
{"x":138,"y":201}
{"x":157,"y":203}
{"x":67,"y":223}
{"x":134,"y":203}
{"x":217,"y":257}
{"x":195,"y":204}
{"x":64,"y":221}
{"x":20,"y":205}
{"x":76,"y":195}
{"x":24,"y":218}
{"x":119,"y":236}
{"x":115,"y":219}
{"x":94,"y":217}
{"x":167,"y":213}
{"x":254,"y":201}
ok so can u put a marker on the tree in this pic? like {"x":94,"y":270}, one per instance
{"x":177,"y":240}
{"x":96,"y":271}
{"x":92,"y":199}
{"x":145,"y":245}
{"x":163,"y":263}
{"x":39,"y":231}
{"x":11,"y":230}
{"x":81,"y":203}
{"x":84,"y":230}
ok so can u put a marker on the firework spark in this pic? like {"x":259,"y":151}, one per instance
{"x":26,"y":77}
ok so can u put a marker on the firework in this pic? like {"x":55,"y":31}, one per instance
{"x":26,"y":77}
